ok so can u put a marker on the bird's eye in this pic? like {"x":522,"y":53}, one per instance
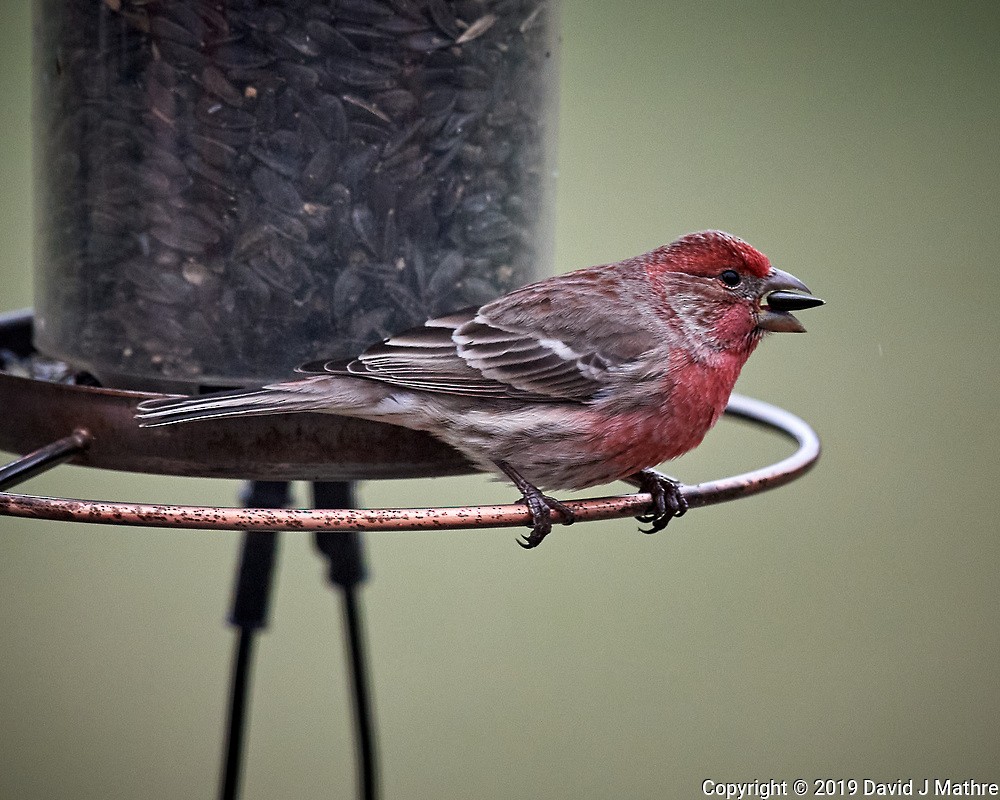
{"x":730,"y":277}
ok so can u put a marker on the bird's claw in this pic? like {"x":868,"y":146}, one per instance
{"x":668,"y":501}
{"x":541,"y":507}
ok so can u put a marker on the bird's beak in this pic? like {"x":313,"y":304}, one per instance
{"x":783,"y":294}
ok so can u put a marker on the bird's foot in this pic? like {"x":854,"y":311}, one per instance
{"x":540,"y":506}
{"x":668,"y":502}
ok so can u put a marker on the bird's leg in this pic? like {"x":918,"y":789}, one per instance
{"x":539,"y":505}
{"x":668,"y":502}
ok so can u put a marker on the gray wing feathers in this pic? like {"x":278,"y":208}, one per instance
{"x":505,"y":350}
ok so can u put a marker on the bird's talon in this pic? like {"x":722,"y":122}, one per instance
{"x":667,"y":500}
{"x":656,"y":527}
{"x":541,"y":522}
{"x":540,"y":507}
{"x":532,"y":540}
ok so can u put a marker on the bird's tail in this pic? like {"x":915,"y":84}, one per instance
{"x":303,"y":395}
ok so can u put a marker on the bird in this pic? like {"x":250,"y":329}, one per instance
{"x":576,"y":380}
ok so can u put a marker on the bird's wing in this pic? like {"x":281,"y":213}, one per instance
{"x":565,"y":338}
{"x":558,"y":341}
{"x":424,"y":358}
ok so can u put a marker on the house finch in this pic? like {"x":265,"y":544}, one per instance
{"x":576,"y":380}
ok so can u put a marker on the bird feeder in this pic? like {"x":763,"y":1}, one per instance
{"x":227,"y":190}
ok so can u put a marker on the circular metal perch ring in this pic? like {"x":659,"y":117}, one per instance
{"x":396,"y":519}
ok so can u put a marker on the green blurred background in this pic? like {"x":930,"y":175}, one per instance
{"x":845,"y":626}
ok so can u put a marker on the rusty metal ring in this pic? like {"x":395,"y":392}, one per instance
{"x":396,"y":519}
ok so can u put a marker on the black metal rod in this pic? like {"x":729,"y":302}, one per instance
{"x":251,"y":602}
{"x":347,"y":571}
{"x":42,"y":459}
{"x":363,"y":714}
{"x":233,"y":770}
{"x":251,"y":595}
